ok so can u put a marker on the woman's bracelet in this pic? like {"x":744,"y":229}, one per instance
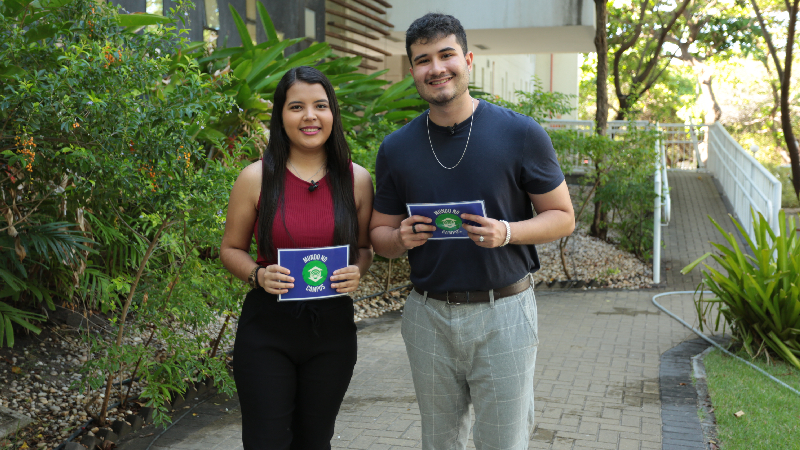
{"x":508,"y":233}
{"x":252,"y":280}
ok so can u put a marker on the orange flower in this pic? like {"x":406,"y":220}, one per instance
{"x":26,"y":146}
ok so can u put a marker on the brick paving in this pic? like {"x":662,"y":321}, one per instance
{"x":694,"y":199}
{"x":597,"y":374}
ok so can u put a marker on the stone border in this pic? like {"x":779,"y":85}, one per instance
{"x":709,"y":421}
{"x":11,"y":421}
{"x":681,"y":428}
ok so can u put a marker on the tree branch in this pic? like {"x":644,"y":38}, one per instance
{"x":768,"y":38}
{"x":653,"y":79}
{"x":660,"y":43}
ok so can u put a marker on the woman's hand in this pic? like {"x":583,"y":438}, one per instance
{"x":346,"y":279}
{"x":275,"y":279}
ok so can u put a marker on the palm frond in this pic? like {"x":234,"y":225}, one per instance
{"x":9,"y":314}
{"x":55,"y":240}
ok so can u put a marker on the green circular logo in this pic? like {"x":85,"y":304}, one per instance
{"x":448,"y":222}
{"x":315,"y":273}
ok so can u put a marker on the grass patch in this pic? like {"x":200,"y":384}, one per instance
{"x":772,"y":412}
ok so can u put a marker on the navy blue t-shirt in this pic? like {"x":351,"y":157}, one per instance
{"x":509,"y":155}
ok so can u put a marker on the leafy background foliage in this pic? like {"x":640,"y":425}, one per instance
{"x":105,"y":188}
{"x":119,"y":142}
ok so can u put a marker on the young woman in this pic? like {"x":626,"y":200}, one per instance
{"x":293,"y":360}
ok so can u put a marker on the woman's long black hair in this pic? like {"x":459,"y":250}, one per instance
{"x":345,"y":231}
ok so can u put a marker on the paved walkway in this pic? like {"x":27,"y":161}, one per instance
{"x":596,"y":384}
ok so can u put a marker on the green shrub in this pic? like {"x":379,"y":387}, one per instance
{"x":364,"y":145}
{"x":759,"y":297}
{"x":113,"y":202}
{"x":621,"y":180}
{"x":627,"y":191}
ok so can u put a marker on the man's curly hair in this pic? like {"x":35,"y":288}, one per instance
{"x":432,"y":27}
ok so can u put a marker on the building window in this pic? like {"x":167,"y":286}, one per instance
{"x":311,"y":23}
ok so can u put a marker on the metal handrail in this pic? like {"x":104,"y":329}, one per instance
{"x":657,"y":222}
{"x":666,"y":205}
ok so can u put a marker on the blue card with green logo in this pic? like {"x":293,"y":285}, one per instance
{"x":447,"y":217}
{"x":312,"y":269}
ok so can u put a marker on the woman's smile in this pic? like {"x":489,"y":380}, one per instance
{"x":307,"y":117}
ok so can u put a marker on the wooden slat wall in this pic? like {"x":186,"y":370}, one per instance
{"x":360,"y":28}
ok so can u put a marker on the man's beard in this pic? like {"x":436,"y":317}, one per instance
{"x":461,"y":86}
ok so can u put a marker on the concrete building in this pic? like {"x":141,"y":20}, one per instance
{"x":513,"y":40}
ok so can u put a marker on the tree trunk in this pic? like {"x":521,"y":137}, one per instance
{"x":773,"y":113}
{"x":601,"y":45}
{"x":624,"y":107}
{"x":786,"y":119}
{"x":601,"y":116}
{"x":599,"y":229}
{"x":705,"y":76}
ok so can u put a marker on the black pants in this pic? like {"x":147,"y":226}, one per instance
{"x":292,"y":364}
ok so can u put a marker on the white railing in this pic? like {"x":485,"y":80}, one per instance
{"x":745,"y":182}
{"x":662,"y":209}
{"x":583,"y":127}
{"x":682,"y":142}
{"x":657,"y":218}
{"x":682,"y":145}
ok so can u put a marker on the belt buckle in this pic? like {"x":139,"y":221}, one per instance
{"x":455,"y":303}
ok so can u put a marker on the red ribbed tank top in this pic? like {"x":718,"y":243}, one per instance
{"x":309,"y":216}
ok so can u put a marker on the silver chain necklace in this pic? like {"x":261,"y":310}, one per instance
{"x":427,"y":127}
{"x":310,"y":180}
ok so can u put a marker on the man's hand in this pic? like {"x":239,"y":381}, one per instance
{"x":492,"y":231}
{"x":414,"y":232}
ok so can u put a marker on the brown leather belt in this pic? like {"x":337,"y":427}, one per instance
{"x":458,"y":298}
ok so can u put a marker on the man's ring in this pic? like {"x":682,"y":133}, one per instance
{"x":481,"y":239}
{"x":414,"y":228}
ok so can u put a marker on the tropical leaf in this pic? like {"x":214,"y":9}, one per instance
{"x":247,"y":41}
{"x":266,"y":22}
{"x":9,"y":315}
{"x":139,"y":19}
{"x":758,"y":296}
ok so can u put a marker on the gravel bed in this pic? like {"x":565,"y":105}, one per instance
{"x":590,"y":258}
{"x":40,"y":378}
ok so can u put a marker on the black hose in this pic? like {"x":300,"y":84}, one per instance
{"x":384,"y":292}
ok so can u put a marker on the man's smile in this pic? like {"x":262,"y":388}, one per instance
{"x":440,"y":81}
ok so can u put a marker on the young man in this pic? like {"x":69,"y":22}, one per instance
{"x":469,"y":325}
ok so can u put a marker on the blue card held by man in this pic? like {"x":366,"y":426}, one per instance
{"x":447,"y":217}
